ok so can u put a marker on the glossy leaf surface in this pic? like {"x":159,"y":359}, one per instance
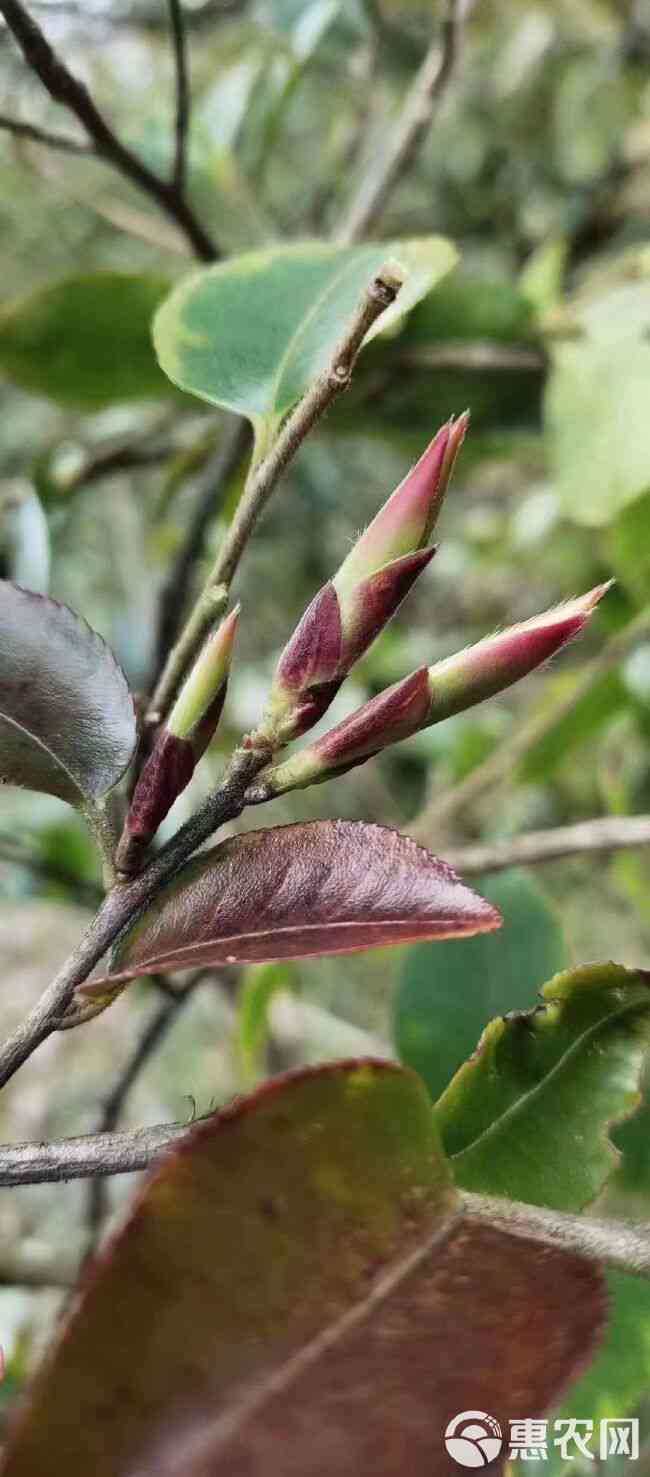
{"x":449,"y":992}
{"x":252,"y":333}
{"x":290,"y":1255}
{"x":67,"y":722}
{"x":528,"y":1115}
{"x":324,"y":887}
{"x":86,"y":341}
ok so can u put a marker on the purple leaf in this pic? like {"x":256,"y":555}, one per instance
{"x":326,"y":887}
{"x":295,"y":1292}
{"x":67,"y":722}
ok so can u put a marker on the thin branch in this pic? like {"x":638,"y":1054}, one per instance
{"x":473,"y":356}
{"x":500,"y":765}
{"x":609,"y":833}
{"x":127,"y":898}
{"x":262,"y":480}
{"x":425,"y":94}
{"x":72,"y":94}
{"x":612,"y":1243}
{"x":183,"y":99}
{"x":213,"y":485}
{"x":61,"y":141}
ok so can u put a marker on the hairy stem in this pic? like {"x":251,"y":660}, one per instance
{"x":262,"y":480}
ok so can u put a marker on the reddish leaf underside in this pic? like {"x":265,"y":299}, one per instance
{"x":294,"y":1292}
{"x":325,"y":887}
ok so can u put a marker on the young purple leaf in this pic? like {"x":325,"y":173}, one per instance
{"x":430,"y":695}
{"x":181,"y":743}
{"x":351,"y":610}
{"x":325,"y":887}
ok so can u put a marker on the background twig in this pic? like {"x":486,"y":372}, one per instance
{"x":183,"y":100}
{"x":426,"y":92}
{"x":606,"y":833}
{"x":66,"y":89}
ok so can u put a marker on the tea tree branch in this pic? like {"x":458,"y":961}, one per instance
{"x":66,"y":89}
{"x":427,"y":91}
{"x":262,"y":480}
{"x":607,"y":833}
{"x":183,"y":100}
{"x":127,"y":899}
{"x":612,"y":1243}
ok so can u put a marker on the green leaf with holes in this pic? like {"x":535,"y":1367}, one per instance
{"x":528,"y":1115}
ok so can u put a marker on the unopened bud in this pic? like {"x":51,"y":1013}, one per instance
{"x":349,"y":612}
{"x":180,"y":745}
{"x":430,"y":695}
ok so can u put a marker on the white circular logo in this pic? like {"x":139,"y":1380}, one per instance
{"x":473,"y":1438}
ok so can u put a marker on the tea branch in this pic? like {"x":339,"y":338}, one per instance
{"x":64,"y":88}
{"x":262,"y":480}
{"x":612,"y":1243}
{"x":127,"y":899}
{"x":606,"y":833}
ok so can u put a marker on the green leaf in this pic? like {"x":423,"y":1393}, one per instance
{"x":67,"y":721}
{"x":450,"y":991}
{"x":597,"y":406}
{"x":527,"y":1116}
{"x":619,"y":1377}
{"x":260,"y":983}
{"x":252,"y":333}
{"x":86,"y":341}
{"x":585,"y":718}
{"x":288,"y":1261}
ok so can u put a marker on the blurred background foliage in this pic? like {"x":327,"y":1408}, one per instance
{"x":538,"y":169}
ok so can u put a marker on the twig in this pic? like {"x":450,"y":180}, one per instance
{"x":501,"y":764}
{"x":126,"y":899}
{"x":609,"y":833}
{"x":183,"y":100}
{"x":36,"y":135}
{"x":66,"y":89}
{"x":472,"y":356}
{"x":214,"y":482}
{"x":163,"y":1018}
{"x":427,"y":90}
{"x":613,"y":1243}
{"x":381,"y":292}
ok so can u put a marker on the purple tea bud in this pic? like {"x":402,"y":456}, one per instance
{"x":430,"y":695}
{"x":491,"y":665}
{"x":180,"y":744}
{"x":349,"y":612}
